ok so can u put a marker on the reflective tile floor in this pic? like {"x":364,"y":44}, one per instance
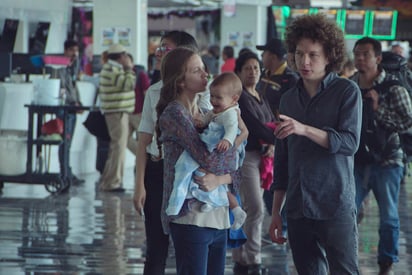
{"x":88,"y":232}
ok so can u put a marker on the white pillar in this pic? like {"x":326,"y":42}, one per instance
{"x":250,"y":18}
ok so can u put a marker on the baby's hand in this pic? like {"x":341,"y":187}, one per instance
{"x":198,"y":123}
{"x":223,"y":146}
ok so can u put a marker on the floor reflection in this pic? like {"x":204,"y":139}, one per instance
{"x":88,"y":232}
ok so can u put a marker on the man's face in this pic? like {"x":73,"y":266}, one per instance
{"x":166,"y":46}
{"x":72,"y":52}
{"x":267,"y":59}
{"x":365,"y":58}
{"x":310,"y":59}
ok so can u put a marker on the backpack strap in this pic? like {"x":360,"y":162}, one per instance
{"x":384,"y":87}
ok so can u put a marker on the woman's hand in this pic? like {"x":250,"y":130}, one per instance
{"x":270,"y":152}
{"x":208,"y":182}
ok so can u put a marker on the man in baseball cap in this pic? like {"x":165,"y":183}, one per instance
{"x":274,"y":46}
{"x":276,"y":77}
{"x":116,"y":48}
{"x":117,"y":99}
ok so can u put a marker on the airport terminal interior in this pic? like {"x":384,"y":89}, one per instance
{"x":50,"y":229}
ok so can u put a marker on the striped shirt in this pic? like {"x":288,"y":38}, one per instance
{"x":116,"y":88}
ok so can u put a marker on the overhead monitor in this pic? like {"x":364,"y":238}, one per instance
{"x":8,"y":36}
{"x":332,"y":14}
{"x":5,"y":68}
{"x":355,"y":23}
{"x":38,"y":39}
{"x":280,"y":15}
{"x":296,"y":12}
{"x":382,"y":24}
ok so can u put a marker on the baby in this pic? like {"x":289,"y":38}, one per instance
{"x":223,"y":130}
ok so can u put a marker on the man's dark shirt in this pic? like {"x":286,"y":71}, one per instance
{"x":320,"y":182}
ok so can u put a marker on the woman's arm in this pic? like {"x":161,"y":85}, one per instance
{"x":210,"y":181}
{"x":139,"y":196}
{"x":177,"y":126}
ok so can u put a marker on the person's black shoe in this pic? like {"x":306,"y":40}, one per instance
{"x":115,"y":190}
{"x":385,"y":268}
{"x":239,"y":269}
{"x":253,"y":269}
{"x":75,"y":180}
{"x":257,"y":269}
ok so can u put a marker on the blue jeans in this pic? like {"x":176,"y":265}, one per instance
{"x":199,"y":250}
{"x":69,"y":127}
{"x":324,"y":247}
{"x":384,"y":181}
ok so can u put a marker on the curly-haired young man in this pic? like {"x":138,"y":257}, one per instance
{"x":317,"y":138}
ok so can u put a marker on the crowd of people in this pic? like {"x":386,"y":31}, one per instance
{"x":287,"y":133}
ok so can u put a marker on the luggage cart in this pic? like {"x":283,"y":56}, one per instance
{"x":53,"y":182}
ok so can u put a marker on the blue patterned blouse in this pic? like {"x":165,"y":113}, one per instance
{"x":178,"y":133}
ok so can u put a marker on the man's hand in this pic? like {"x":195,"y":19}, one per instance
{"x":374,"y":96}
{"x":275,"y":229}
{"x":288,"y":126}
{"x":139,"y":198}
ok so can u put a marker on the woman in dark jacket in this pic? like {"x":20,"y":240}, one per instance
{"x":255,"y":112}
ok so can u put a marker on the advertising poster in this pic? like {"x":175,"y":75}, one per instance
{"x":123,"y":36}
{"x":233,"y":39}
{"x":108,"y":36}
{"x":248,"y":40}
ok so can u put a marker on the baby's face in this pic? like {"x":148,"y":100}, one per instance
{"x":221,"y":98}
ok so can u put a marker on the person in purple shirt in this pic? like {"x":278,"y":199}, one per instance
{"x":317,"y":138}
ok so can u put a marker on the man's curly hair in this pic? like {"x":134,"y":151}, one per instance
{"x":318,"y":28}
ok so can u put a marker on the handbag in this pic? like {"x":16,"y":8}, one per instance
{"x":95,"y":123}
{"x":53,"y":126}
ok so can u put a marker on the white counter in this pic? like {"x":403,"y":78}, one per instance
{"x":14,"y":116}
{"x":13,"y":97}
